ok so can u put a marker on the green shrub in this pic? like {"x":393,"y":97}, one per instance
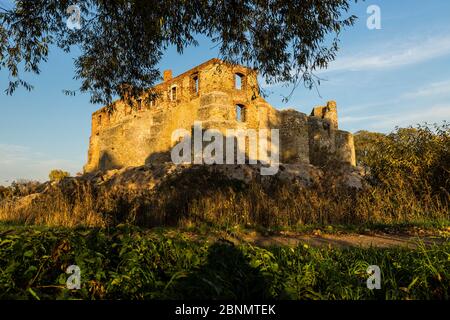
{"x":5,"y":192}
{"x":57,"y":175}
{"x":24,"y":187}
{"x":418,"y":158}
{"x":365,"y":146}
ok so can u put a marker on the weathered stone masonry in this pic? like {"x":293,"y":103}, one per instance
{"x":222,"y":97}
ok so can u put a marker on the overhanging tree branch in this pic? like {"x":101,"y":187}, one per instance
{"x":122,"y":42}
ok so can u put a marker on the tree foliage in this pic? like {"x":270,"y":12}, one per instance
{"x":23,"y":187}
{"x":416,"y":156}
{"x":4,"y":192}
{"x":121,"y":42}
{"x":56,"y":175}
{"x":365,"y":146}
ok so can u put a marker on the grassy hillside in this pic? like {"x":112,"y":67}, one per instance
{"x":407,"y":180}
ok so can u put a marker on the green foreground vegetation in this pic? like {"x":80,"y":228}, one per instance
{"x":131,"y":263}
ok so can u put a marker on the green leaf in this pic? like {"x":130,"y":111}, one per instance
{"x":28,"y":253}
{"x":33,"y":294}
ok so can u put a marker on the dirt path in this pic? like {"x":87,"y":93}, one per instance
{"x":340,"y":241}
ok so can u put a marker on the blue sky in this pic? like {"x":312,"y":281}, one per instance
{"x":396,"y":76}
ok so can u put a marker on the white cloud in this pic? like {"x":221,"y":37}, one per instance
{"x":432,"y":90}
{"x":21,"y":162}
{"x":434,"y":114}
{"x":393,"y":55}
{"x":384,"y":56}
{"x":352,"y":119}
{"x":437,"y":90}
{"x":387,"y":122}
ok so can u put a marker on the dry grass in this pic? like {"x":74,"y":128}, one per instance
{"x":223,"y":202}
{"x":408,"y":181}
{"x":53,"y":209}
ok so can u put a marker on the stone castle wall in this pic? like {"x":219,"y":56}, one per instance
{"x":210,"y":93}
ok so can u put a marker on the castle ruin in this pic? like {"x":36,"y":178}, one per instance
{"x":221,"y":96}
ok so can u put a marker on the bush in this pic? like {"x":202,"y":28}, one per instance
{"x":23,"y":187}
{"x":414,"y":157}
{"x":57,"y":175}
{"x":366,"y":144}
{"x":5,"y":193}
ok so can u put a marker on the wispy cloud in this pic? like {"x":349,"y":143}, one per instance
{"x":21,"y":162}
{"x":436,"y":89}
{"x":435,"y":114}
{"x":382,"y":56}
{"x":393,"y":55}
{"x":356,"y":119}
{"x":386,"y":122}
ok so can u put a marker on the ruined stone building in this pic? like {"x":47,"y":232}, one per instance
{"x":221,"y":96}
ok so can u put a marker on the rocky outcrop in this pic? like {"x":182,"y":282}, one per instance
{"x":149,"y":177}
